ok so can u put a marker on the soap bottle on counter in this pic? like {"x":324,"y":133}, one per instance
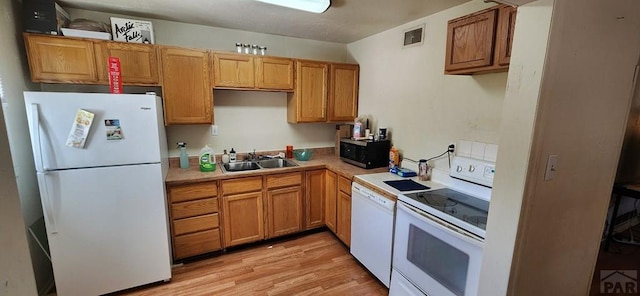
{"x":184,"y":157}
{"x":225,"y":157}
{"x":207,"y":159}
{"x":232,"y":155}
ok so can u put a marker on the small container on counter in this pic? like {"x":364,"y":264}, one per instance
{"x":239,"y":47}
{"x":254,"y":49}
{"x":184,"y":157}
{"x":289,"y":151}
{"x":232,"y":155}
{"x":263,"y":50}
{"x":423,"y":170}
{"x":225,"y":157}
{"x":247,"y":48}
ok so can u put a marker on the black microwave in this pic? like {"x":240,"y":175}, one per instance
{"x":365,"y":154}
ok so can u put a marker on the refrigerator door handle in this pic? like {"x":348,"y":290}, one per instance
{"x":37,"y":144}
{"x":47,"y":202}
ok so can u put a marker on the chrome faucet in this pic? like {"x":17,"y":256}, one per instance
{"x":252,"y":156}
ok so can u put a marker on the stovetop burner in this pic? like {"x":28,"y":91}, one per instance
{"x":454,"y":204}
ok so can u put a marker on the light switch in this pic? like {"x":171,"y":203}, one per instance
{"x":552,"y":167}
{"x":214,"y":130}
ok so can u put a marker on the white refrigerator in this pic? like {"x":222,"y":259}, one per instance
{"x":102,"y":188}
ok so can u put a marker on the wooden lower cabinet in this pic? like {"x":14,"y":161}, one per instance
{"x":242,"y":211}
{"x":243,"y":221}
{"x":284,"y":211}
{"x":314,"y":198}
{"x":194,"y":219}
{"x":344,"y":218}
{"x":284,"y":204}
{"x":331,"y":195}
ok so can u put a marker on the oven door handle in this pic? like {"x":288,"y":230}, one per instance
{"x":436,"y":222}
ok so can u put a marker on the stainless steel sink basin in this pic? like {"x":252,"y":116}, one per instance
{"x":276,"y":163}
{"x":241,"y":166}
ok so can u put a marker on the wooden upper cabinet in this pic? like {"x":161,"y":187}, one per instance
{"x":343,"y":93}
{"x":274,"y":73}
{"x":186,"y":88}
{"x":470,"y":41}
{"x":504,"y":37}
{"x":480,"y":42}
{"x":58,"y":59}
{"x":308,"y":103}
{"x":138,"y":62}
{"x":233,"y":70}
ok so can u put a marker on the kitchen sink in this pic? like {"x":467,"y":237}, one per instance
{"x":241,"y":166}
{"x":276,"y":163}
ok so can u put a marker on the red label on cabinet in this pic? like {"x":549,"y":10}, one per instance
{"x":115,"y":76}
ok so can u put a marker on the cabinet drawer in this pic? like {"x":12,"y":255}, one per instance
{"x":194,"y":208}
{"x":196,"y":243}
{"x":193,"y":191}
{"x":194,"y":224}
{"x":345,"y":185}
{"x":241,"y":185}
{"x":284,"y":180}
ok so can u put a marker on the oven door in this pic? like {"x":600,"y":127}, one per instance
{"x":436,"y":257}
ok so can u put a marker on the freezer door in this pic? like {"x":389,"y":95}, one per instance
{"x":107,"y":228}
{"x":51,"y":117}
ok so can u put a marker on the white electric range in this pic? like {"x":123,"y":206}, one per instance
{"x":439,"y":233}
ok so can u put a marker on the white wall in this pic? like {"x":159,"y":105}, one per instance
{"x":247,"y":120}
{"x":405,"y":90}
{"x":583,"y":99}
{"x":16,"y":167}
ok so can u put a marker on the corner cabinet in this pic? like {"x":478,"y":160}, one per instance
{"x":343,"y":92}
{"x":324,"y":92}
{"x":343,"y":211}
{"x":186,"y":86}
{"x":249,"y":72}
{"x":480,"y":42}
{"x":194,"y":219}
{"x":314,"y":198}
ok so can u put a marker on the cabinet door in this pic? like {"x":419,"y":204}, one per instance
{"x":470,"y":41}
{"x":138,"y":62}
{"x":233,"y":70}
{"x":274,"y":73}
{"x":343,"y":92}
{"x":242,"y":218}
{"x":60,"y":59}
{"x":284,"y":211}
{"x":314,"y":198}
{"x":344,"y":218}
{"x":308,"y":103}
{"x":331,"y":195}
{"x":186,"y":90}
{"x":504,"y":36}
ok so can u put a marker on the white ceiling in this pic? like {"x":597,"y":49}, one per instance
{"x":344,"y":22}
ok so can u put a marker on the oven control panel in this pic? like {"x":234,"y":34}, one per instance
{"x":473,"y":170}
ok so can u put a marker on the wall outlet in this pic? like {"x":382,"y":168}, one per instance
{"x":214,"y":130}
{"x":451,"y":148}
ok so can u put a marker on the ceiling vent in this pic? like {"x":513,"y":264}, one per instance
{"x":414,"y":36}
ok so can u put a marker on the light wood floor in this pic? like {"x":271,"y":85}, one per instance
{"x":314,"y":264}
